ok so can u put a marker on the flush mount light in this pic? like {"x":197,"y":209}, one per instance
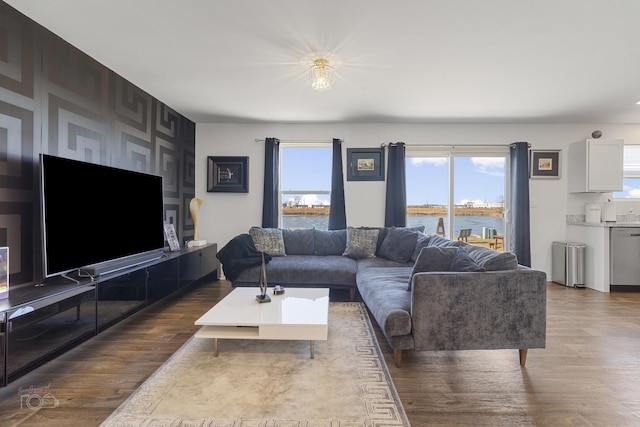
{"x":321,"y":75}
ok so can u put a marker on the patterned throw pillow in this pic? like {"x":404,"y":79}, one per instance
{"x":361,"y":243}
{"x":268,"y":240}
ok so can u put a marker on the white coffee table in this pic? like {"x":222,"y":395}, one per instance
{"x":298,"y":314}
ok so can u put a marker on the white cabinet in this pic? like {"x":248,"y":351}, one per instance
{"x":596,"y":254}
{"x":595,"y":166}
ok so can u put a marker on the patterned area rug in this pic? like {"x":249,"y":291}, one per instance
{"x":255,"y":383}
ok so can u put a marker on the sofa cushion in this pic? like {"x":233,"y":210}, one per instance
{"x":268,"y":240}
{"x":382,"y":232}
{"x":361,"y":243}
{"x":462,"y":262}
{"x":384,"y":290}
{"x":398,"y":244}
{"x":380,"y":262}
{"x":304,"y":270}
{"x":492,"y":260}
{"x":298,"y":242}
{"x":329,"y":242}
{"x":433,"y":258}
{"x":421,"y":242}
{"x":440,"y":241}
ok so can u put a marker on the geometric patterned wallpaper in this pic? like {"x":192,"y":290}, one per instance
{"x":57,"y":100}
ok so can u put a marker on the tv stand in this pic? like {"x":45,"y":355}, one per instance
{"x":95,"y":270}
{"x":39,"y":322}
{"x":77,"y":282}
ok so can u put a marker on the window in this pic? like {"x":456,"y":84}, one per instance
{"x":305,"y":185}
{"x":631,"y":173}
{"x":453,"y":190}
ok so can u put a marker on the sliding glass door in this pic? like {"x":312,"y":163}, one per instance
{"x":459,"y":193}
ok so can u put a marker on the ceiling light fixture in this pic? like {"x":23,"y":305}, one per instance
{"x":321,"y":75}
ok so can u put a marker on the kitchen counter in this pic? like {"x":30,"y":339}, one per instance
{"x":606,"y":224}
{"x":621,"y":222}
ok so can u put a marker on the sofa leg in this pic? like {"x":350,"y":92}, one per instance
{"x":523,"y":356}
{"x":352,"y":294}
{"x":397,"y":357}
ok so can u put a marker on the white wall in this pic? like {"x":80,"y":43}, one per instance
{"x":222,"y":216}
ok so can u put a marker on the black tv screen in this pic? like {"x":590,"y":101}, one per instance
{"x":93,"y":213}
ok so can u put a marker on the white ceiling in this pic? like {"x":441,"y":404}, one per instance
{"x":396,"y":61}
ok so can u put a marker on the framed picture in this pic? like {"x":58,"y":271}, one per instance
{"x":544,"y":164}
{"x":172,"y":237}
{"x":4,"y":273}
{"x":228,"y":174}
{"x":365,"y":164}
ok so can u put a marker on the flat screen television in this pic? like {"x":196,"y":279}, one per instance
{"x":98,"y":215}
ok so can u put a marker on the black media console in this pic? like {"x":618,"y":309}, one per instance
{"x":40,"y":322}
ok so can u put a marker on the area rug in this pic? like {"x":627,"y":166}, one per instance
{"x":258,"y":383}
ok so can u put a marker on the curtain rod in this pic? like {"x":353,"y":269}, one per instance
{"x":451,"y":145}
{"x":308,"y":141}
{"x":300,"y":141}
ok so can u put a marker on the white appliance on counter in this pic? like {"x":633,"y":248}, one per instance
{"x":609,"y":211}
{"x":625,"y":258}
{"x":592,"y":213}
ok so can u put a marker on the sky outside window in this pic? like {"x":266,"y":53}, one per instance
{"x":631,"y":171}
{"x":479,"y":180}
{"x":306,"y":169}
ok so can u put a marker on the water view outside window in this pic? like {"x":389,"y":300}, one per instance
{"x":305,"y":173}
{"x":471,"y":187}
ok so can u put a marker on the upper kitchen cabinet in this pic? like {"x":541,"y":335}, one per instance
{"x":595,"y":166}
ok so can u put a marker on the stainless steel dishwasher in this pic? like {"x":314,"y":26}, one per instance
{"x":625,"y":258}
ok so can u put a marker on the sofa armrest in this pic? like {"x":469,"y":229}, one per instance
{"x":474,"y":311}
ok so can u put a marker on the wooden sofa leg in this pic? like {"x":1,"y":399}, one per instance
{"x":397,"y":356}
{"x":352,"y":294}
{"x":523,"y":356}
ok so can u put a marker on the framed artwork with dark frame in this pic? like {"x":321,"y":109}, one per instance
{"x":227,"y":174}
{"x":365,"y":164}
{"x":544,"y":164}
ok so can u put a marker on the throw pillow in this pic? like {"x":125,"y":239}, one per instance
{"x":433,"y":258}
{"x":492,"y":260}
{"x":398,"y":245}
{"x":421,"y":242}
{"x":382,"y":234}
{"x":440,"y":241}
{"x":329,"y":242}
{"x":298,"y":242}
{"x":463,"y":262}
{"x":361,"y":243}
{"x":268,"y":240}
{"x":502,"y":261}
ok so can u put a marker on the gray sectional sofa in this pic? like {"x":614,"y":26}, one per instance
{"x":425,"y":292}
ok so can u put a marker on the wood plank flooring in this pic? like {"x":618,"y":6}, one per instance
{"x":587,"y":376}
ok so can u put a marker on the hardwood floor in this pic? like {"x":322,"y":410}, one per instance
{"x":587,"y":375}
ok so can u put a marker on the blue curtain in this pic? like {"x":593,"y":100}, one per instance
{"x":520,"y":219}
{"x":270,"y":206}
{"x":337,"y":214}
{"x":396,"y":206}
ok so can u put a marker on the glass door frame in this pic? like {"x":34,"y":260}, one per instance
{"x":451,"y":152}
